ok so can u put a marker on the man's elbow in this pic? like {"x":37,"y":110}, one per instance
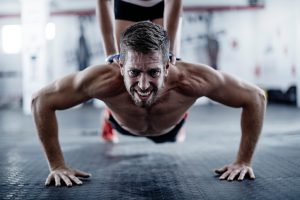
{"x":260,"y":98}
{"x":38,"y":102}
{"x":35,"y":101}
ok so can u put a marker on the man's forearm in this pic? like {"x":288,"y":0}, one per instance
{"x":104,"y":13}
{"x":251,"y":124}
{"x":172,"y":13}
{"x":47,"y":128}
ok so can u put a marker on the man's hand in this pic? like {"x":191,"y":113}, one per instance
{"x":231,"y":171}
{"x":68,"y":175}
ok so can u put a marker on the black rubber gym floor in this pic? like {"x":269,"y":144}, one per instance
{"x":139,"y":169}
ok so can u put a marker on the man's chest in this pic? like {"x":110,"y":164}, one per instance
{"x":163,"y":114}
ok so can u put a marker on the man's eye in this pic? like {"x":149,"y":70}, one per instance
{"x":133,"y":73}
{"x":154,"y":73}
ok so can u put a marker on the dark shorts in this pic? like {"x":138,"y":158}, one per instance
{"x":168,"y":137}
{"x":135,"y":13}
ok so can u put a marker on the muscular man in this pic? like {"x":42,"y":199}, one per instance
{"x":147,"y":96}
{"x":166,"y":13}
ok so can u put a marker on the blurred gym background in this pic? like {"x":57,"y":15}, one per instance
{"x":256,"y":40}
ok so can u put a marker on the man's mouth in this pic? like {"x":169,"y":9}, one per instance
{"x":144,"y":95}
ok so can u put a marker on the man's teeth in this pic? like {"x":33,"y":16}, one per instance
{"x":144,"y":93}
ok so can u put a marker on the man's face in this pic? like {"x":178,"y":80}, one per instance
{"x":144,"y":76}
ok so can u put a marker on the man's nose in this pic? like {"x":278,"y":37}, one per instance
{"x":143,"y":82}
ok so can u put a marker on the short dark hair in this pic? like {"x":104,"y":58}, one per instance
{"x":144,"y":37}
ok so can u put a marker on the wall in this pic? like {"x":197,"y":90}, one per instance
{"x":61,"y":54}
{"x":10,"y":70}
{"x":260,"y":46}
{"x":234,"y":38}
{"x":65,"y":45}
{"x":276,"y":48}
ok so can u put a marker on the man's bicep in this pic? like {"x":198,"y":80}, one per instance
{"x":231,"y":91}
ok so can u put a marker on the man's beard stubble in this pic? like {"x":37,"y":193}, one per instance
{"x":148,"y":102}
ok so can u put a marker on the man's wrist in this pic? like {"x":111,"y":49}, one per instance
{"x":243,"y":161}
{"x":58,"y":166}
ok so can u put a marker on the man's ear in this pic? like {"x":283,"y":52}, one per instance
{"x":166,"y":69}
{"x":121,"y":68}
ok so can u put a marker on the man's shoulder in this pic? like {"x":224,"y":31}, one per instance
{"x":100,"y":73}
{"x":194,"y":79}
{"x":187,"y":71}
{"x":189,"y":67}
{"x":102,"y":69}
{"x":101,"y":80}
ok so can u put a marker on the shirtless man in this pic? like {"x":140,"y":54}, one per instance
{"x":114,"y":16}
{"x":147,"y":96}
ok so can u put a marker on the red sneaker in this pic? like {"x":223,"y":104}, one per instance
{"x":109,"y":134}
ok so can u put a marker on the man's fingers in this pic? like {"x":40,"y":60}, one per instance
{"x":49,"y":179}
{"x":82,"y":174}
{"x":65,"y":179}
{"x":221,"y":170}
{"x":251,"y":173}
{"x":236,"y":170}
{"x":224,"y":175}
{"x":75,"y":179}
{"x":67,"y":175}
{"x":233,"y":175}
{"x":57,"y":180}
{"x":242,"y":174}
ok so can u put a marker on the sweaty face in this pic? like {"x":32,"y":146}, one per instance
{"x":144,"y":76}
